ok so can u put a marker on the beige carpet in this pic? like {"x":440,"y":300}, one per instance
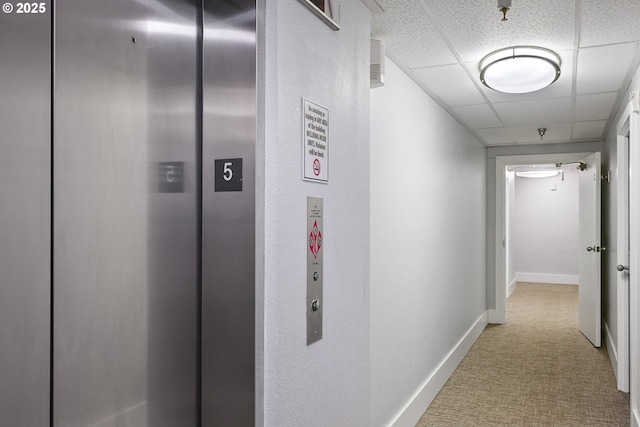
{"x":536,"y":370}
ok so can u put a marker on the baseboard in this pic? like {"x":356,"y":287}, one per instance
{"x":420,"y":401}
{"x":560,"y":279}
{"x":511,"y":287}
{"x":611,"y":348}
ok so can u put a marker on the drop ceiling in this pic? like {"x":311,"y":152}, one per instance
{"x":439,"y":44}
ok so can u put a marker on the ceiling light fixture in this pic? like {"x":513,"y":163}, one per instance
{"x":520,"y":69}
{"x":537,"y":174}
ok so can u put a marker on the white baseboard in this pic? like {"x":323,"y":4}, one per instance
{"x":611,"y":348}
{"x":561,"y":279}
{"x":420,"y":401}
{"x":511,"y":287}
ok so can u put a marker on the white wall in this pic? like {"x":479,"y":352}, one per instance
{"x":428,"y":255}
{"x":510,"y":204}
{"x":326,"y":383}
{"x":609,"y":240}
{"x":545,"y":225}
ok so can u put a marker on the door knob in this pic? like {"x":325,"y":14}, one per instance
{"x":590,"y":248}
{"x":621,"y":267}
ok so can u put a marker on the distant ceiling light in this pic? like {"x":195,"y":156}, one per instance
{"x":520,"y":69}
{"x":536,"y":174}
{"x":504,"y":6}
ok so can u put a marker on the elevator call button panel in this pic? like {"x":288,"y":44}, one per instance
{"x":315,"y":252}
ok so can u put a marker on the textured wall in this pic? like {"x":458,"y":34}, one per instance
{"x":326,"y":383}
{"x":609,"y":232}
{"x":427,"y":239}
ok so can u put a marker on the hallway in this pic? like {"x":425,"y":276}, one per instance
{"x":537,"y":369}
{"x":213,"y":213}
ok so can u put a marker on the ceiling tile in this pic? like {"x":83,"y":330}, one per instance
{"x":538,"y":112}
{"x":439,"y":44}
{"x":475,"y":28}
{"x":561,"y":87}
{"x":603,"y":69}
{"x":495,"y":136}
{"x":477,"y":116}
{"x":409,"y":36}
{"x":451,"y":84}
{"x":560,"y":132}
{"x":588,"y":130}
{"x":594,"y":107}
{"x":608,"y":22}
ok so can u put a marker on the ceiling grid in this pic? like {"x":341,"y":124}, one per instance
{"x":440,"y":46}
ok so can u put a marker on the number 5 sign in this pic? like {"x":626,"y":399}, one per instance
{"x":228,"y":175}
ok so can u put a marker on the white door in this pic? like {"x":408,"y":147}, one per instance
{"x":590,"y":250}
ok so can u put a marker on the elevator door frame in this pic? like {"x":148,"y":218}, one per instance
{"x":25,"y":215}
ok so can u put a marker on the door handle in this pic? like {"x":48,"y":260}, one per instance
{"x":621,"y":267}
{"x":590,"y":248}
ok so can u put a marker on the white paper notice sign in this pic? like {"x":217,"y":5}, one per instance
{"x":315,"y":142}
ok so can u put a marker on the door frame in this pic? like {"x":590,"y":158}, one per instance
{"x":621,"y":352}
{"x":499,"y":313}
{"x":634,"y":258}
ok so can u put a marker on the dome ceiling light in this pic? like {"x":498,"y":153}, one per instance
{"x":520,"y":69}
{"x":537,"y":174}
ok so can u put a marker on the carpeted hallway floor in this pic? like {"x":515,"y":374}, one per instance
{"x":536,"y":370}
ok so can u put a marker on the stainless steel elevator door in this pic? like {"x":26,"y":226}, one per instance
{"x":25,"y":215}
{"x":125,"y":214}
{"x":173,"y":213}
{"x":228,"y":228}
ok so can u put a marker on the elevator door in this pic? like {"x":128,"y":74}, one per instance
{"x":127,"y":293}
{"x":125,"y":214}
{"x":25,"y":215}
{"x":228,"y":211}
